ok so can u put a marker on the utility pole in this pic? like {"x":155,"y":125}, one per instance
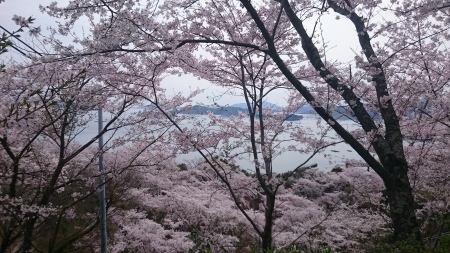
{"x":102,"y":185}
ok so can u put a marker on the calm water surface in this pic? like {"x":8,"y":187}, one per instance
{"x":288,"y":160}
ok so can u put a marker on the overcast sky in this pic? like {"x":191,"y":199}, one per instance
{"x":340,"y":32}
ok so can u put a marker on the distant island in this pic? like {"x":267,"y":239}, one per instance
{"x":228,"y":111}
{"x":341,"y":112}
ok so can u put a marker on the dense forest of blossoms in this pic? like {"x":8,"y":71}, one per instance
{"x":395,"y":90}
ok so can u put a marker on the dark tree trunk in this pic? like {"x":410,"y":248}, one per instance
{"x":5,"y":238}
{"x":267,"y":234}
{"x":28,"y":232}
{"x":401,"y":205}
{"x":392,"y":166}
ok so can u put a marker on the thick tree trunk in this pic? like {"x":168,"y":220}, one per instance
{"x":267,"y":234}
{"x":28,"y":232}
{"x":5,"y":239}
{"x":401,"y":205}
{"x":393,"y":168}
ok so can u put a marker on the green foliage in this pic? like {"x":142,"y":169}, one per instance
{"x":288,"y":184}
{"x":444,"y":245}
{"x":200,"y":246}
{"x":387,"y":245}
{"x":182,"y":166}
{"x":156,"y":216}
{"x":328,"y":250}
{"x":233,"y":166}
{"x":294,"y":248}
{"x":5,"y":41}
{"x":4,"y":44}
{"x":217,"y":160}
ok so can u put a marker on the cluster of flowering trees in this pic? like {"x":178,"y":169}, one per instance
{"x":395,"y":89}
{"x":49,"y":173}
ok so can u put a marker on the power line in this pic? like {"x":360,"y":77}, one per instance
{"x":102,"y":196}
{"x":14,"y":36}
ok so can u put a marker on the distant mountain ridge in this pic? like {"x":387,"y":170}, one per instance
{"x":228,"y":111}
{"x":342,"y":112}
{"x":266,"y":105}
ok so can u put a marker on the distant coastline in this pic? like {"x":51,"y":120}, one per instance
{"x":225,"y":111}
{"x":341,"y":112}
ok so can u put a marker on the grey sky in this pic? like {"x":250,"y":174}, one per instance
{"x":339,"y":33}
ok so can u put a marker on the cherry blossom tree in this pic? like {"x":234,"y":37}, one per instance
{"x":259,"y":129}
{"x":375,"y":88}
{"x":396,"y":85}
{"x":49,"y":175}
{"x":193,"y":202}
{"x":36,"y":113}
